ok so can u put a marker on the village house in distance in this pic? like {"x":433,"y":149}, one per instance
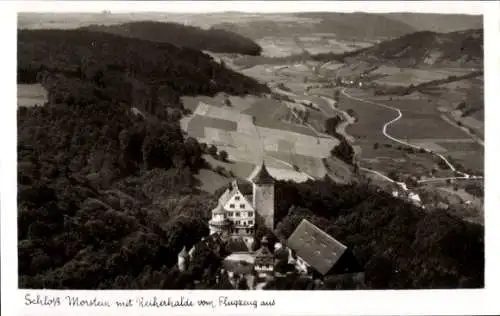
{"x":309,"y":251}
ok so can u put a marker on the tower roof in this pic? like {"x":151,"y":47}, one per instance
{"x":218,"y":209}
{"x":263,"y":176}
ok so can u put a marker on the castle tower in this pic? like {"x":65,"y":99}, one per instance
{"x":219,"y":224}
{"x":263,"y":195}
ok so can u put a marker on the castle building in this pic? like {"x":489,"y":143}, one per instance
{"x":235,"y":214}
{"x":316,"y":251}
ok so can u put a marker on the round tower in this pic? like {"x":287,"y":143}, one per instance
{"x":263,"y":195}
{"x":183,"y":260}
{"x":219,"y":223}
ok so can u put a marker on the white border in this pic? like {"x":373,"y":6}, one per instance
{"x":435,"y":302}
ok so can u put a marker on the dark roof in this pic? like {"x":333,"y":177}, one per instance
{"x":263,"y":252}
{"x":316,"y":247}
{"x":263,"y":176}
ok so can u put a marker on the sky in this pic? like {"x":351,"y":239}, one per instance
{"x":455,"y":7}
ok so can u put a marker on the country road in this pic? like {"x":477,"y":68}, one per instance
{"x":348,"y":120}
{"x":397,"y":140}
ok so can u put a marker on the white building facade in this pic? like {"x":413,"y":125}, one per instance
{"x":234,"y":215}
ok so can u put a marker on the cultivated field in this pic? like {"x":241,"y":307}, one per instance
{"x":291,"y":151}
{"x":31,"y":95}
{"x":420,"y":125}
{"x":421,"y":119}
{"x":396,"y":76}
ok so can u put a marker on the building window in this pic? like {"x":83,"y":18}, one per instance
{"x":237,"y":213}
{"x":229,"y":213}
{"x":231,"y":205}
{"x":237,"y":198}
{"x":250,"y":214}
{"x":250,"y":222}
{"x":242,"y":205}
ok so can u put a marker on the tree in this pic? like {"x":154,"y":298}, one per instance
{"x":223,"y":155}
{"x":212,"y":151}
{"x":336,"y":95}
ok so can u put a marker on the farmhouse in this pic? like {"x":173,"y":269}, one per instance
{"x":234,"y":215}
{"x":321,"y":255}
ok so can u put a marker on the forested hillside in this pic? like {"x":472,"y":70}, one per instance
{"x":214,"y":40}
{"x":420,"y":49}
{"x":102,"y":184}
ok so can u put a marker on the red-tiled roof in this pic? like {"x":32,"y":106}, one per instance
{"x":316,"y":247}
{"x":263,"y":176}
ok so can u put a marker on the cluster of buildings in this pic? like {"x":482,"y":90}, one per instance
{"x":309,"y":250}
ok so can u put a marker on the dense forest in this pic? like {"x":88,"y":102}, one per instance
{"x":107,"y":196}
{"x":214,"y":40}
{"x":89,"y":66}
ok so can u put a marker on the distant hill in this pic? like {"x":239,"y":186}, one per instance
{"x":360,"y":26}
{"x":425,"y":48}
{"x":441,"y":23}
{"x":356,"y":25}
{"x":214,"y":40}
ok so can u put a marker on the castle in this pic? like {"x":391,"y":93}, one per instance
{"x":235,"y":214}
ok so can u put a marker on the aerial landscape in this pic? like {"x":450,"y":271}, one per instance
{"x":250,"y":151}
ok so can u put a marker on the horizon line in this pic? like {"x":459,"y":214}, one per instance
{"x":258,"y":7}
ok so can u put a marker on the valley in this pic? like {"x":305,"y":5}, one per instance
{"x":418,"y":138}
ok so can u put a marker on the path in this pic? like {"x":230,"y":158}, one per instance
{"x":349,"y":120}
{"x":397,"y":140}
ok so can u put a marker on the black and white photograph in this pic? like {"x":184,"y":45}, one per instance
{"x":230,"y":150}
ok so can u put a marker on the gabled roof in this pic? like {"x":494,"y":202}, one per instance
{"x":320,"y":250}
{"x":263,"y":252}
{"x":234,"y":187}
{"x":263,"y":176}
{"x":218,"y":210}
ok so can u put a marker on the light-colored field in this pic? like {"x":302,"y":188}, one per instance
{"x":283,"y":174}
{"x":200,"y":125}
{"x":278,"y":48}
{"x":246,"y":142}
{"x":31,"y":95}
{"x":310,"y":165}
{"x":262,"y":73}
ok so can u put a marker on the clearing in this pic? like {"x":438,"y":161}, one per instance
{"x":31,"y":95}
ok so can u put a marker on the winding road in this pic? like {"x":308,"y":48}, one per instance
{"x":348,"y":120}
{"x":397,"y":140}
